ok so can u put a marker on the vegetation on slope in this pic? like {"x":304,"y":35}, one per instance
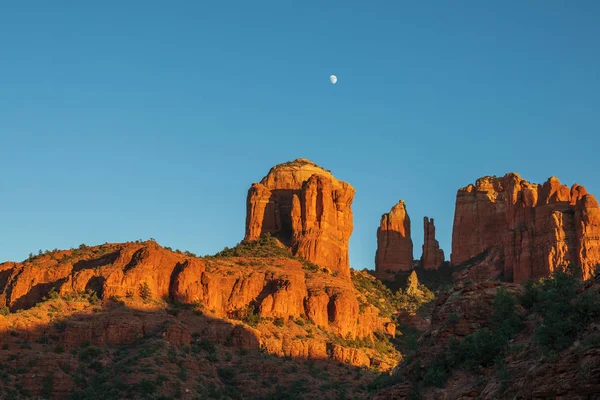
{"x":435,"y":280}
{"x":374,"y":292}
{"x":562,"y":313}
{"x":151,"y":367}
{"x":265,"y":247}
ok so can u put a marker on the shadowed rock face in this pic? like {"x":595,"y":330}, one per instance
{"x":538,"y":228}
{"x":307,"y":209}
{"x":394,"y":243}
{"x":432,"y":256}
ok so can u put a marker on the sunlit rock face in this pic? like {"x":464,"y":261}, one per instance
{"x":394,"y":243}
{"x":307,"y":209}
{"x":538,"y":228}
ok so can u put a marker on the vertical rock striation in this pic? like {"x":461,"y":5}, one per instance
{"x":307,"y":209}
{"x":538,"y":228}
{"x":394,"y":243}
{"x":432,"y":256}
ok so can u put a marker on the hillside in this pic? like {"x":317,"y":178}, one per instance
{"x":499,"y":340}
{"x":180,"y":326}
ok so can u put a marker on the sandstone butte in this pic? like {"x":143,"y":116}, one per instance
{"x":432,"y":256}
{"x":228,"y":287}
{"x":307,"y":209}
{"x":394,"y":243}
{"x":534,"y":228}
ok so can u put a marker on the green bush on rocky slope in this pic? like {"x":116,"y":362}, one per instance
{"x":561,"y":312}
{"x":265,"y":247}
{"x":376,"y":293}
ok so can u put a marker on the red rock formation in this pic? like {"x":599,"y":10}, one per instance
{"x":307,"y":209}
{"x":538,"y":228}
{"x":432,"y":256}
{"x":394,"y":243}
{"x":278,"y":287}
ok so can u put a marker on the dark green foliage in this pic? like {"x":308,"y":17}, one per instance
{"x":502,"y":373}
{"x":89,"y":354}
{"x":592,"y":342}
{"x":453,"y":318}
{"x":530,"y":295}
{"x":435,"y":375}
{"x":280,"y":322}
{"x":408,"y":340}
{"x":147,"y":387}
{"x":47,"y":385}
{"x":145,"y":292}
{"x":506,"y":322}
{"x":385,"y":380}
{"x":266,"y":246}
{"x":207,"y":346}
{"x":251,"y":317}
{"x":479,"y":349}
{"x":4,"y":310}
{"x":43,"y":340}
{"x":388,"y":303}
{"x":482,"y":348}
{"x":564,"y":313}
{"x":226,"y":374}
{"x":434,"y":279}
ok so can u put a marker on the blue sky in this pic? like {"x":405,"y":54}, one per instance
{"x":151,"y":119}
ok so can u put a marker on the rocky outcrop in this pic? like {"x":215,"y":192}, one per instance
{"x":307,"y":209}
{"x":432,"y":256}
{"x":572,"y":373}
{"x":538,"y":228}
{"x":228,"y":287}
{"x":394,"y":243}
{"x":488,"y":266}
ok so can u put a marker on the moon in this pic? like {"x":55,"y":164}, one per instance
{"x":333,"y":79}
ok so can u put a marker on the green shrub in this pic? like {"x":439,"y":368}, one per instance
{"x":530,"y":296}
{"x":207,"y":346}
{"x":4,"y":310}
{"x":147,"y":387}
{"x":145,"y":291}
{"x":251,"y":317}
{"x":565,"y":314}
{"x":266,"y":246}
{"x":506,"y":321}
{"x":481,"y":348}
{"x":280,"y":322}
{"x":435,"y":375}
{"x":453,"y":318}
{"x":226,"y":374}
{"x":89,"y":354}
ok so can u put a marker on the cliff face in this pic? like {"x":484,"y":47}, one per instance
{"x":432,"y":256}
{"x":394,"y":243}
{"x":307,"y":209}
{"x":537,"y":228}
{"x":228,"y":287}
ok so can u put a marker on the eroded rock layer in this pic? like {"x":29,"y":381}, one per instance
{"x":307,"y":209}
{"x":538,"y":228}
{"x":394,"y":243}
{"x":432,"y":256}
{"x":228,"y":287}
